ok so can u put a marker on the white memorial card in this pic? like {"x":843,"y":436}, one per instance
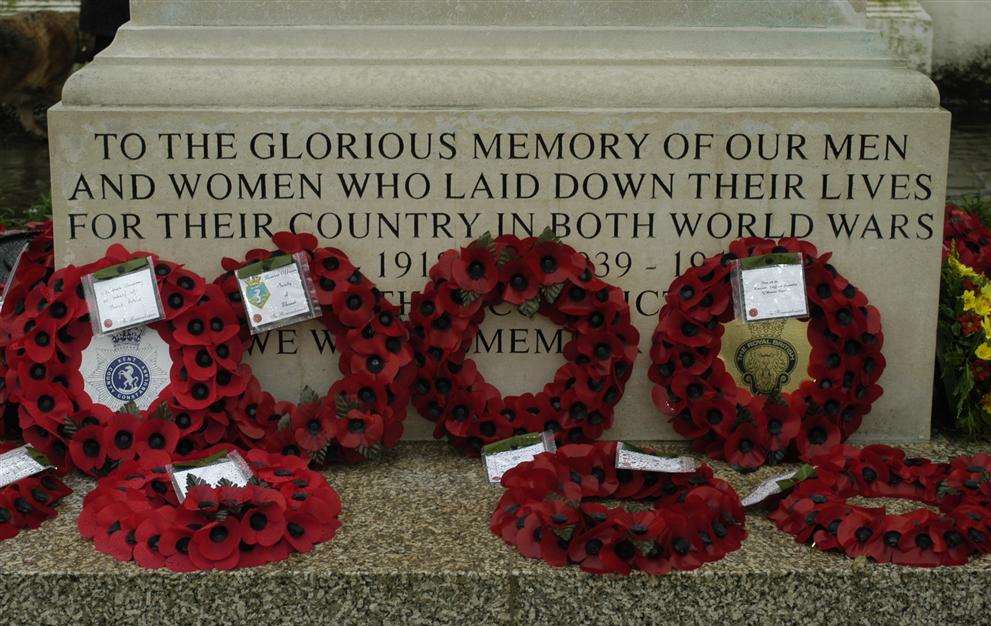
{"x":778,"y":484}
{"x":123,"y":296}
{"x":211,"y":471}
{"x":17,"y":464}
{"x":631,"y":457}
{"x":771,"y":286}
{"x":502,"y":456}
{"x":275,"y":292}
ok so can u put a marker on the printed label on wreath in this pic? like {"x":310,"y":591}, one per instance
{"x":20,"y":463}
{"x":778,"y":484}
{"x":131,"y":365}
{"x":631,"y":457}
{"x":275,"y":293}
{"x":502,"y":456}
{"x":769,"y":357}
{"x":123,"y":295}
{"x":229,"y":467}
{"x":770,"y":286}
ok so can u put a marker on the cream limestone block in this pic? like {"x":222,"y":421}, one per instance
{"x":647,"y":134}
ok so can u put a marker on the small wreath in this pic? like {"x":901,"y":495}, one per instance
{"x":724,"y":420}
{"x":27,"y":503}
{"x":965,"y":232}
{"x":35,"y":267}
{"x":134,"y":515}
{"x":363,"y":411}
{"x":538,"y":275}
{"x":192,"y":407}
{"x":818,"y":510}
{"x":545,"y":514}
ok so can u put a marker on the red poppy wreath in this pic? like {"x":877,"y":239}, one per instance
{"x":818,"y":510}
{"x":546,"y":513}
{"x":363,"y":411}
{"x":538,"y":275}
{"x":27,"y":503}
{"x":35,"y":267}
{"x":183,"y":373}
{"x":724,"y":420}
{"x":134,"y":515}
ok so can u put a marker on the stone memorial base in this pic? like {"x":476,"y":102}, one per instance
{"x":415,"y":548}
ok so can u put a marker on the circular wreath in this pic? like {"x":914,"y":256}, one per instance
{"x":193,"y":410}
{"x":818,"y":510}
{"x":966,"y":232}
{"x":134,"y":515}
{"x":538,"y":275}
{"x":26,"y":503}
{"x":363,"y":411}
{"x":35,"y":267}
{"x":546,"y":513}
{"x":724,"y":420}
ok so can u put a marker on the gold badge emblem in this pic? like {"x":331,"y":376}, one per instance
{"x":766,"y":357}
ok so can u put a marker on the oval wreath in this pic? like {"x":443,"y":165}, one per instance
{"x":192,"y":408}
{"x":35,"y":267}
{"x":538,"y":275}
{"x":724,"y":420}
{"x":818,"y":510}
{"x":26,"y":503}
{"x":363,"y":411}
{"x":134,"y":515}
{"x":546,"y":514}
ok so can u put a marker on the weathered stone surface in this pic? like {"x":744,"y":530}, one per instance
{"x":224,"y":88}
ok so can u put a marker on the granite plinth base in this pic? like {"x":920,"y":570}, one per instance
{"x":415,"y":548}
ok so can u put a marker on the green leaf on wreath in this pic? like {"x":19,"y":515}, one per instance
{"x":372,"y":453}
{"x":225,"y":482}
{"x":485,"y":240}
{"x":467,"y":297}
{"x":530,"y":307}
{"x":163,"y":412}
{"x":193,"y":481}
{"x":320,"y":456}
{"x":343,"y":405}
{"x":551,"y":292}
{"x":130,"y":407}
{"x":69,"y":427}
{"x":549,"y":235}
{"x":308,"y":396}
{"x":507,"y":255}
{"x":284,"y":422}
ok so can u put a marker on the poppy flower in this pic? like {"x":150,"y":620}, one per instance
{"x":353,"y":306}
{"x":596,"y":550}
{"x":292,"y":243}
{"x":87,"y":449}
{"x":215,"y":546}
{"x":817,"y":435}
{"x":520,"y":283}
{"x":554,"y":262}
{"x":301,"y":531}
{"x":155,"y":434}
{"x":475,"y":269}
{"x":312,"y":427}
{"x":120,"y":436}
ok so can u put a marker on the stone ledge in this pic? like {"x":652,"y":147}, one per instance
{"x":415,"y":548}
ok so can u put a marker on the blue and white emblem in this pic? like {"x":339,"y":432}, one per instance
{"x":127,"y":378}
{"x":132,"y":365}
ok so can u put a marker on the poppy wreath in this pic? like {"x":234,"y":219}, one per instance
{"x":363,"y":411}
{"x":724,"y":421}
{"x":26,"y":503}
{"x":36,"y":264}
{"x":964,"y":231}
{"x":58,"y":416}
{"x":537,"y":275}
{"x":546,"y":513}
{"x":134,"y":515}
{"x":818,"y":510}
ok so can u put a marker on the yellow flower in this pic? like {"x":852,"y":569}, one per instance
{"x":986,"y":402}
{"x":979,"y":304}
{"x":983,"y":351}
{"x":962,"y":269}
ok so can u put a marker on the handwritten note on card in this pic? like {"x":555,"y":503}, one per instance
{"x":127,"y":300}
